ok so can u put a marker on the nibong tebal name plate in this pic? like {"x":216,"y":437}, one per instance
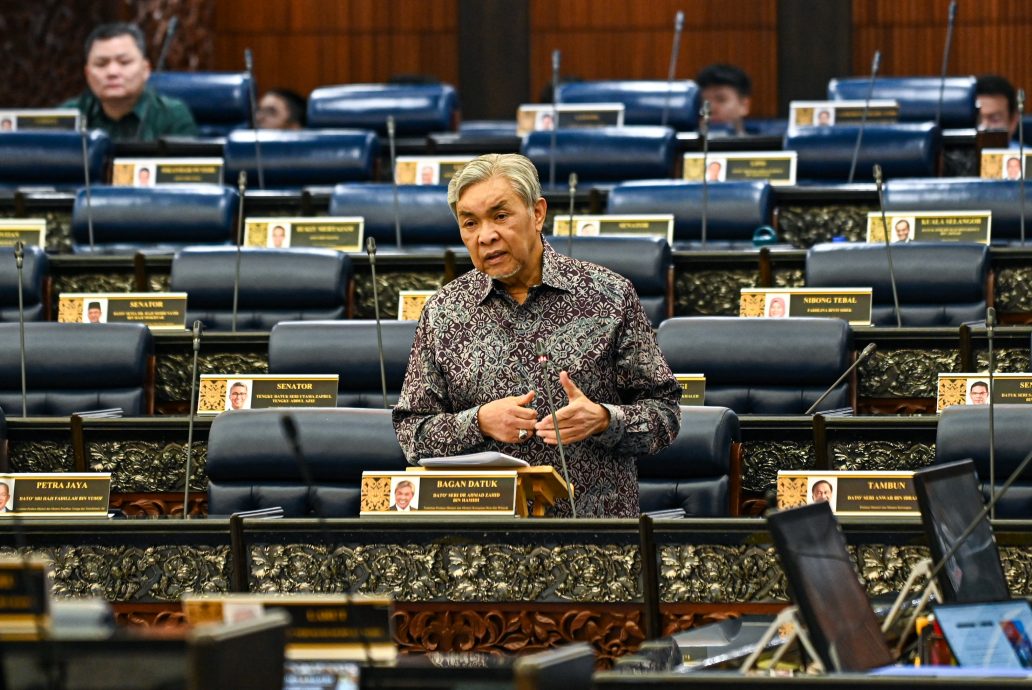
{"x":852,"y":304}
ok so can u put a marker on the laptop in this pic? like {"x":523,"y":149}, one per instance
{"x":988,"y":635}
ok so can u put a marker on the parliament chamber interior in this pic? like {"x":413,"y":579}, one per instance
{"x":232,"y":276}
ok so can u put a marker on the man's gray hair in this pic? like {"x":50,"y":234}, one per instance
{"x":520,"y":172}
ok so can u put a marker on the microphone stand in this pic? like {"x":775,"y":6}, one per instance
{"x":19,"y":262}
{"x":990,"y":326}
{"x":249,"y":66}
{"x":170,"y":31}
{"x":555,"y":117}
{"x":674,"y":51}
{"x":573,"y":193}
{"x":190,"y":424}
{"x":84,"y":134}
{"x":371,"y":252}
{"x":704,"y":130}
{"x":863,"y":117}
{"x":946,"y":60}
{"x":1021,"y":156}
{"x":242,"y":187}
{"x":543,"y":359}
{"x":394,"y":181}
{"x":888,"y":245}
{"x":867,"y":352}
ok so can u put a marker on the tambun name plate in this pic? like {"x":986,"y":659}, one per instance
{"x":325,"y":626}
{"x":488,"y":492}
{"x":62,"y":494}
{"x":343,"y":233}
{"x":973,"y":389}
{"x":889,"y":493}
{"x":531,"y":117}
{"x":693,"y":388}
{"x":829,"y":113}
{"x":221,"y":392}
{"x":851,"y":304}
{"x":28,"y":119}
{"x":923,"y":226}
{"x":30,"y":231}
{"x":149,"y":172}
{"x":776,"y":167}
{"x":639,"y":225}
{"x":411,"y":303}
{"x":159,"y":310}
{"x":24,"y":598}
{"x":1004,"y":164}
{"x":428,"y":170}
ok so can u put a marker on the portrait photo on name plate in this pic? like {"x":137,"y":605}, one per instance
{"x":1011,"y":168}
{"x":824,"y":117}
{"x":404,"y":494}
{"x":144,"y":176}
{"x":428,"y":173}
{"x":716,"y":170}
{"x":902,"y":229}
{"x":238,"y":394}
{"x":978,"y":392}
{"x":279,"y":236}
{"x":587,"y":228}
{"x":94,"y":310}
{"x":776,"y":306}
{"x":822,"y":490}
{"x":7,"y":495}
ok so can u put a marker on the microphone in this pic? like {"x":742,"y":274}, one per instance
{"x":249,"y":68}
{"x":945,"y":60}
{"x":573,"y":193}
{"x":888,"y":245}
{"x":867,"y":352}
{"x":543,"y":359}
{"x":990,"y":326}
{"x":704,"y":131}
{"x":678,"y":28}
{"x":875,"y":62}
{"x":19,"y":262}
{"x":84,"y":135}
{"x":394,"y":181}
{"x":555,"y":117}
{"x":197,"y":326}
{"x":1021,"y":156}
{"x":170,"y":32}
{"x":371,"y":252}
{"x":242,"y":188}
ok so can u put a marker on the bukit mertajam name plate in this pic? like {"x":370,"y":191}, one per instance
{"x":411,"y":303}
{"x":61,"y":494}
{"x":973,"y":389}
{"x":30,"y":231}
{"x":24,"y":598}
{"x":159,"y":310}
{"x":536,"y":117}
{"x":829,"y":113}
{"x":322,"y":626}
{"x":851,"y":304}
{"x":776,"y":167}
{"x":889,"y":493}
{"x":641,"y":225}
{"x":343,"y":233}
{"x":27,"y":119}
{"x":149,"y":172}
{"x":693,"y":388}
{"x":428,"y":170}
{"x":221,"y":392}
{"x":439,"y":492}
{"x":922,"y":226}
{"x":1003,"y":164}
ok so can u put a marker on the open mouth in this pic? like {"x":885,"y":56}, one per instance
{"x":494,"y":257}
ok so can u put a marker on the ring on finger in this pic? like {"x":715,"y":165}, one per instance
{"x":522,"y":434}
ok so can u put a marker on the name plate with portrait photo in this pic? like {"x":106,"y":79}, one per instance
{"x":638,"y":225}
{"x":29,"y":231}
{"x":58,"y":494}
{"x":693,"y":388}
{"x":973,"y":389}
{"x":441,"y":492}
{"x":343,"y":233}
{"x":852,"y":304}
{"x":776,"y":167}
{"x":830,"y":113}
{"x":151,"y":172}
{"x":924,"y":226}
{"x":159,"y":310}
{"x":428,"y":170}
{"x":857,"y":494}
{"x":411,"y":303}
{"x":35,"y":119}
{"x":537,"y":117}
{"x":222,"y":392}
{"x":1003,"y":164}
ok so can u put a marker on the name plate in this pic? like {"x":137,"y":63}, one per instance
{"x":159,"y":310}
{"x":411,"y":303}
{"x":148,"y":172}
{"x":693,"y":388}
{"x":851,"y":304}
{"x":221,"y":392}
{"x":439,"y":492}
{"x":27,"y":119}
{"x":940,"y":226}
{"x":1003,"y":164}
{"x":343,"y":233}
{"x":24,"y":598}
{"x":889,"y":493}
{"x":777,"y":167}
{"x":973,"y":389}
{"x":68,"y":494}
{"x":828,"y":113}
{"x":428,"y":170}
{"x":537,"y":117}
{"x":640,"y":225}
{"x":31,"y":231}
{"x":327,"y":626}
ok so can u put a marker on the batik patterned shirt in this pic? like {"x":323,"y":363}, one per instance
{"x":475,"y":343}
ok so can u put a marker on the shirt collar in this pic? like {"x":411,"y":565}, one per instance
{"x":554,"y":273}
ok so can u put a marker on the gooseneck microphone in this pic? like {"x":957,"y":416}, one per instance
{"x":1021,"y":157}
{"x":19,"y":262}
{"x":704,"y":130}
{"x":371,"y":252}
{"x":555,"y":117}
{"x":990,"y":326}
{"x":945,"y":60}
{"x":394,"y":181}
{"x":672,"y":69}
{"x":546,"y":364}
{"x":573,"y":195}
{"x":170,"y":32}
{"x":242,"y":188}
{"x":867,"y":352}
{"x":888,"y":245}
{"x":84,"y":136}
{"x":249,"y":68}
{"x":197,"y":326}
{"x":875,"y":62}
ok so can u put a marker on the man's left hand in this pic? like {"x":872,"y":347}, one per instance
{"x":579,"y":420}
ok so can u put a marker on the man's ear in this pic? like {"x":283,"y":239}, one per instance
{"x":540,"y":211}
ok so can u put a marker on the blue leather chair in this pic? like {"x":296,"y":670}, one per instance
{"x":74,"y":367}
{"x":902,"y":150}
{"x":417,"y":109}
{"x":51,"y":159}
{"x":938,"y":283}
{"x":762,"y":366}
{"x":643,"y":101}
{"x":1002,"y":197}
{"x":293,"y":159}
{"x":346,"y":348}
{"x":735,"y":209}
{"x":606,"y":154}
{"x":490,"y":128}
{"x":251,"y":464}
{"x":220,"y":101}
{"x":127,"y":219}
{"x":275,"y":285}
{"x":426,"y":219}
{"x":699,"y":471}
{"x":918,"y":97}
{"x":35,"y":285}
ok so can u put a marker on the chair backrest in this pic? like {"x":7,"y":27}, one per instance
{"x":1002,"y":197}
{"x":734,"y":209}
{"x":643,"y":101}
{"x":74,"y":367}
{"x":762,"y":366}
{"x":918,"y":97}
{"x":251,"y":464}
{"x":220,"y":101}
{"x":300,"y":158}
{"x":425,"y":218}
{"x":51,"y":159}
{"x":35,"y":284}
{"x":127,"y":219}
{"x":693,"y":472}
{"x":275,"y":285}
{"x":569,"y":667}
{"x":417,"y":109}
{"x":938,"y":283}
{"x":346,"y":348}
{"x":606,"y":154}
{"x":902,"y":150}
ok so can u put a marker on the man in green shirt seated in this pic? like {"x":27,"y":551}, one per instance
{"x":118,"y":100}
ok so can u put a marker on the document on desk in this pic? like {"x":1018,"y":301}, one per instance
{"x":485,"y":459}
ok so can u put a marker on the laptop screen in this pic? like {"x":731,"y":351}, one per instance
{"x":988,"y":635}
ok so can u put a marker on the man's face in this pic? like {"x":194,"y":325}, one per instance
{"x":713,"y":171}
{"x":1013,"y":169}
{"x":7,"y":125}
{"x":273,"y":113}
{"x":823,"y":117}
{"x":237,"y":397}
{"x":403,"y":496}
{"x":116,"y":70}
{"x":427,"y":175}
{"x":726,"y":106}
{"x":993,"y":113}
{"x":5,"y":495}
{"x":278,"y":235}
{"x":144,"y":177}
{"x":502,"y":235}
{"x":93,"y":314}
{"x":821,"y":492}
{"x":979,"y":394}
{"x":902,"y":231}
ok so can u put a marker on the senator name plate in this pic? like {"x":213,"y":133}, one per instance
{"x":441,"y":492}
{"x":776,"y":167}
{"x":851,"y":304}
{"x":29,"y":119}
{"x":428,"y":170}
{"x":151,"y":172}
{"x":30,"y":231}
{"x":858,"y":494}
{"x":411,"y":303}
{"x":693,"y":388}
{"x":59,"y":494}
{"x":159,"y":310}
{"x":1004,"y":164}
{"x":830,"y":113}
{"x":641,"y":225}
{"x":343,"y":233}
{"x":1012,"y":388}
{"x":221,"y":392}
{"x":938,"y":226}
{"x":535,"y":117}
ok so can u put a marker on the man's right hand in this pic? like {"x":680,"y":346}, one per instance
{"x":502,"y":419}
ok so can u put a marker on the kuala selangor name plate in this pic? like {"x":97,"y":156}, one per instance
{"x":693,"y":388}
{"x":343,"y":233}
{"x":28,"y":119}
{"x":1004,"y":164}
{"x":441,"y":492}
{"x":828,"y":113}
{"x":532,"y":118}
{"x":221,"y":392}
{"x":889,"y":493}
{"x":428,"y":170}
{"x":159,"y":310}
{"x":411,"y":303}
{"x":923,"y":226}
{"x":973,"y":389}
{"x":851,"y":304}
{"x":30,"y":231}
{"x":639,"y":225}
{"x":776,"y":167}
{"x":61,"y":494}
{"x":149,"y":172}
{"x":24,"y":598}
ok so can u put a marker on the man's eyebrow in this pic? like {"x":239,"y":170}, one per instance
{"x":496,"y":207}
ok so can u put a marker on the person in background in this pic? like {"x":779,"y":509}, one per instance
{"x":729,"y":91}
{"x":997,"y":103}
{"x":281,"y":109}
